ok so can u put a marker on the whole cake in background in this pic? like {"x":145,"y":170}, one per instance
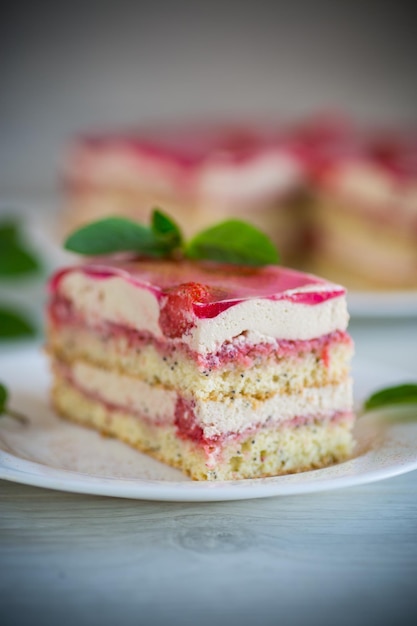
{"x":199,"y":174}
{"x":336,"y":199}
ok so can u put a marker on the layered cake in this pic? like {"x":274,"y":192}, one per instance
{"x":337,"y":200}
{"x":365,"y":211}
{"x":199,"y":173}
{"x":223,"y":371}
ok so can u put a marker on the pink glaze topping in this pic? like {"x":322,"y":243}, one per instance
{"x":188,"y":146}
{"x":208,"y":288}
{"x":242,"y":354}
{"x":392,"y":152}
{"x":318,"y":143}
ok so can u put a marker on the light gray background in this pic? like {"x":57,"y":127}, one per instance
{"x":70,"y":66}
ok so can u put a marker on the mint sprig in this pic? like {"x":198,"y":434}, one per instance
{"x":6,"y":410}
{"x":232,"y":241}
{"x":391,"y":396}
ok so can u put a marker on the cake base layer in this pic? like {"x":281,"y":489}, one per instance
{"x":279,"y":449}
{"x":259,"y":375}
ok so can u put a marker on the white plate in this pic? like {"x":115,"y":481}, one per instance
{"x":60,"y":455}
{"x":382,"y":303}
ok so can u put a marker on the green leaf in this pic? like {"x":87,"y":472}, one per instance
{"x":400,"y":394}
{"x":8,"y":231}
{"x":13,"y":325}
{"x":15,"y":261}
{"x":164,"y":227}
{"x":115,"y":234}
{"x":4,"y":396}
{"x":233,"y":241}
{"x":15,"y":258}
{"x":4,"y":408}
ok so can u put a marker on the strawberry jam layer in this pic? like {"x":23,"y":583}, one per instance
{"x":187,"y":426}
{"x":245,"y":355}
{"x":239,"y":353}
{"x":185,"y":422}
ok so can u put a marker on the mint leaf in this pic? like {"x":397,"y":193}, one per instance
{"x":164,"y":227}
{"x":115,"y":234}
{"x":8,"y":232}
{"x":400,"y":394}
{"x":15,"y":259}
{"x":233,"y":241}
{"x":13,"y":325}
{"x":5,"y":410}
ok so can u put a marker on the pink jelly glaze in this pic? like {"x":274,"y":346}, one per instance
{"x":392,"y":153}
{"x":178,"y":152}
{"x":318,"y":144}
{"x":189,"y":146}
{"x":177,"y":156}
{"x":227,"y":285}
{"x":330,"y":140}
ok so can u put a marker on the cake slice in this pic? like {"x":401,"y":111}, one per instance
{"x":223,"y":371}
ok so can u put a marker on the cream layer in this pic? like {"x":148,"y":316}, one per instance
{"x":269,"y":174}
{"x":216,"y":419}
{"x":374,"y":186}
{"x":118,"y":300}
{"x":223,"y":182}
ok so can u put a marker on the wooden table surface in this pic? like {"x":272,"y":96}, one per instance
{"x":345,"y":557}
